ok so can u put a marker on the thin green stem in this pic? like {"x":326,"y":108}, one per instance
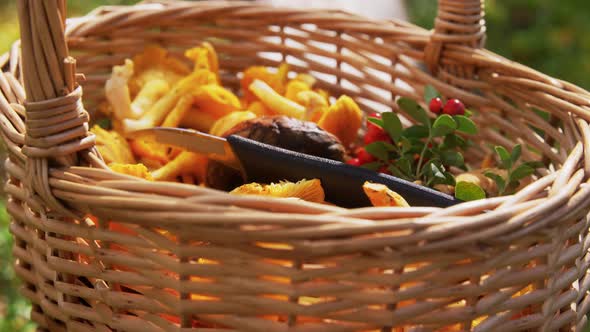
{"x":419,"y":167}
{"x":501,"y":193}
{"x":431,"y":181}
{"x":395,"y":147}
{"x":403,"y":174}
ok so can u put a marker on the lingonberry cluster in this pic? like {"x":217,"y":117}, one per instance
{"x":422,"y":152}
{"x":425,"y":151}
{"x":452,"y":107}
{"x":373,"y":134}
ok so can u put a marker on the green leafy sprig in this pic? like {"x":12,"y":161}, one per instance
{"x":514,"y":173}
{"x":425,"y":151}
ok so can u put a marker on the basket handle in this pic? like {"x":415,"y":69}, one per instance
{"x":56,"y":123}
{"x":458,"y":23}
{"x":49,"y":77}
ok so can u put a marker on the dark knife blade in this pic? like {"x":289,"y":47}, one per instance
{"x":265,"y":163}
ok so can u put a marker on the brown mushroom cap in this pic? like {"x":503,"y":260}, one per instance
{"x":281,"y":131}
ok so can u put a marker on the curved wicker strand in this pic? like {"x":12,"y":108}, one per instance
{"x":457,"y":22}
{"x":49,"y":79}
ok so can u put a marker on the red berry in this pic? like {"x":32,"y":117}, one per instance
{"x":375,"y":134}
{"x":375,"y":115}
{"x":363,"y":156}
{"x":454,"y":107}
{"x":354,"y":162}
{"x":384,"y":170}
{"x":436,"y":105}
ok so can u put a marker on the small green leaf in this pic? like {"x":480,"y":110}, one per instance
{"x":429,"y":93}
{"x":392,"y":125}
{"x":374,"y":166}
{"x":504,"y":156}
{"x":404,"y":165}
{"x":534,"y":164}
{"x":416,"y":147}
{"x":406,"y":144}
{"x":416,"y":131}
{"x":461,"y":142}
{"x":443,"y":125}
{"x":414,"y":110}
{"x":396,"y":172}
{"x":521,"y":172}
{"x":437,"y":170}
{"x":445,"y":120}
{"x":452,"y":158}
{"x":468,"y":113}
{"x":379,"y":150}
{"x":426,"y":170}
{"x":450,"y":179}
{"x":376,"y":121}
{"x":453,"y":141}
{"x":465,"y":124}
{"x":500,"y":182}
{"x":516,"y":151}
{"x":442,"y":130}
{"x":390,"y":147}
{"x":467,"y":191}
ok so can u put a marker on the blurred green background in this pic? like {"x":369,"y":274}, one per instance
{"x":547,"y":35}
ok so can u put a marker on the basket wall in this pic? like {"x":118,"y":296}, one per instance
{"x":114,"y":253}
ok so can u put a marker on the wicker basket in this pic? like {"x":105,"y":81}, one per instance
{"x":171,"y":257}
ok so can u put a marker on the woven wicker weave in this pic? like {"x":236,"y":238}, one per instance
{"x":164,"y":256}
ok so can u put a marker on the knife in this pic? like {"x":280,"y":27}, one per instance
{"x":264,"y":163}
